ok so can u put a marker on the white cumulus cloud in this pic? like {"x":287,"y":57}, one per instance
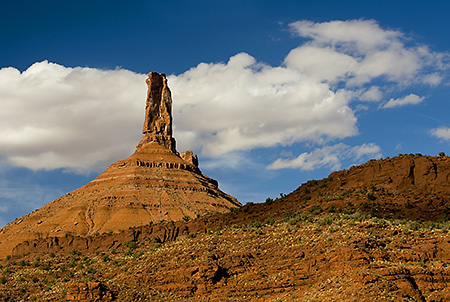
{"x":79,"y":118}
{"x":410,"y":99}
{"x":243,"y":104}
{"x":441,"y":132}
{"x":373,"y":94}
{"x":358,"y":35}
{"x":328,"y":156}
{"x":359,"y":51}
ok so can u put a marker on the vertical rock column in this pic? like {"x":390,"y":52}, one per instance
{"x":158,"y":113}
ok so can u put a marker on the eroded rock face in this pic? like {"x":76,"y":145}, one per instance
{"x":158,"y":113}
{"x":88,"y":292}
{"x":153,"y":184}
{"x":190,"y":157}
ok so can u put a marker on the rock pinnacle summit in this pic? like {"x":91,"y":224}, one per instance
{"x":158,"y":113}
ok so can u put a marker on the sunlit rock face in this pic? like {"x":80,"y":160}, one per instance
{"x":158,"y":113}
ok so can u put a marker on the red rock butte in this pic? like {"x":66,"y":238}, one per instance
{"x":155,"y":183}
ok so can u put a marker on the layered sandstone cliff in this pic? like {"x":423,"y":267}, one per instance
{"x":153,"y":184}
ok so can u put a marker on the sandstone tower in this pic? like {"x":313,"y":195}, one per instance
{"x":158,"y":113}
{"x":155,"y":183}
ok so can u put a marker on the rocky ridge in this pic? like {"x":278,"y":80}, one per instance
{"x":408,"y":186}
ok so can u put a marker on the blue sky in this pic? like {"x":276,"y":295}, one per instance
{"x":269,"y":94}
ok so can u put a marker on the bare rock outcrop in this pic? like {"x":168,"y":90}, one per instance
{"x":158,"y":113}
{"x":89,"y":292}
{"x":190,"y":157}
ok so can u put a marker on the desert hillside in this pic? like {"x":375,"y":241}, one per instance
{"x":405,"y":187}
{"x":375,"y":232}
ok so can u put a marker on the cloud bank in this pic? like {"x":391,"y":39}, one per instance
{"x":78,"y":118}
{"x":244,"y":104}
{"x":82,"y":118}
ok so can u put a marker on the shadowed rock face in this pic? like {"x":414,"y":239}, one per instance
{"x":153,"y":184}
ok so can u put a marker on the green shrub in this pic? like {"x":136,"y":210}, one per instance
{"x":293,"y":217}
{"x":91,"y":271}
{"x":413,"y":225}
{"x":192,"y":235}
{"x":132,"y":244}
{"x":288,"y":215}
{"x":269,"y":200}
{"x":138,"y":254}
{"x":269,"y":221}
{"x":331,"y":208}
{"x":371,"y":196}
{"x":315,"y":210}
{"x":258,"y":232}
{"x":255,"y":224}
{"x":327,"y":220}
{"x":36,"y":262}
{"x":234,"y":210}
{"x":365,"y":205}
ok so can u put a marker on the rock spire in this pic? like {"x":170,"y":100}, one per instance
{"x":154,"y":184}
{"x":158,"y":113}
